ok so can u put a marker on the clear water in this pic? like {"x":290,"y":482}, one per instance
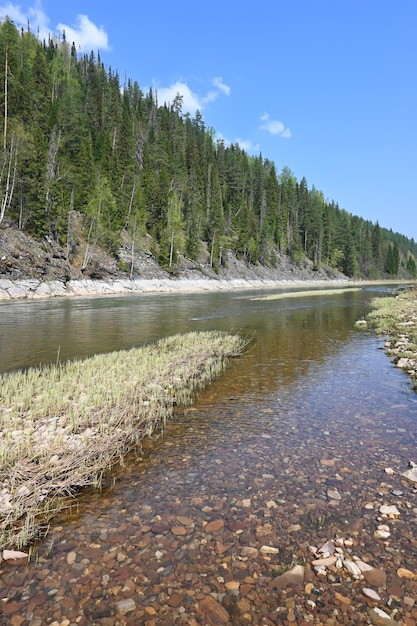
{"x":313,"y":404}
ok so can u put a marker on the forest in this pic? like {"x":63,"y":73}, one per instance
{"x":82,"y":153}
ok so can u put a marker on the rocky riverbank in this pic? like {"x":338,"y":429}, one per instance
{"x":397,"y":319}
{"x":31,"y":269}
{"x":33,"y":289}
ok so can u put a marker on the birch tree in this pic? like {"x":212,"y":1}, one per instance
{"x":8,"y":176}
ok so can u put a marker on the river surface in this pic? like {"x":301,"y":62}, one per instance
{"x":313,"y":408}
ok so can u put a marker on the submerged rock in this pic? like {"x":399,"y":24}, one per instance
{"x":269,"y":550}
{"x":402,"y":572}
{"x":390,"y":510}
{"x":380,"y":618}
{"x":352,"y":568}
{"x":410,"y":474}
{"x":214,"y":612}
{"x":370,"y":593}
{"x":292,"y":578}
{"x":125,"y":606}
{"x":334,"y":494}
{"x":375,"y":577}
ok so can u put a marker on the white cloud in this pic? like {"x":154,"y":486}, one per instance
{"x":275,"y":127}
{"x":14,"y":12}
{"x":34,"y":17}
{"x":248,"y":146}
{"x":191,"y":101}
{"x":85,"y":34}
{"x":219,"y":137}
{"x":210,"y":96}
{"x":218,"y":82}
{"x":244,"y":144}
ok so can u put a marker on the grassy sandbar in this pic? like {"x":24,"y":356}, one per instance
{"x":62,"y":427}
{"x":304,"y":294}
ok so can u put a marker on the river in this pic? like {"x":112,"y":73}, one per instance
{"x":288,"y":449}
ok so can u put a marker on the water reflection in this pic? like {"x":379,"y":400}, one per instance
{"x":38,"y":332}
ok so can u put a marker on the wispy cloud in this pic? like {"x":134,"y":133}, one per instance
{"x":248,"y":146}
{"x":84,"y":33}
{"x":35,"y":17}
{"x":191,"y":100}
{"x":245,"y":144}
{"x":274,"y":127}
{"x":218,"y":82}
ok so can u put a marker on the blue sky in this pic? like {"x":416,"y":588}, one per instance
{"x":327,"y":88}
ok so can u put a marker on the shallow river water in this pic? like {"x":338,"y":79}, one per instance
{"x":287,"y":450}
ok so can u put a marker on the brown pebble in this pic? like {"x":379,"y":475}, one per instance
{"x":10,"y":608}
{"x":175,"y":599}
{"x":292,"y":578}
{"x":220,"y":548}
{"x":214,"y":612}
{"x":159,"y":529}
{"x":214,"y":526}
{"x":402,"y":572}
{"x":185,"y":521}
{"x":395,"y":590}
{"x":375,"y":577}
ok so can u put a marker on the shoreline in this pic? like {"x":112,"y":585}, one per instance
{"x":33,"y":289}
{"x":396,"y":319}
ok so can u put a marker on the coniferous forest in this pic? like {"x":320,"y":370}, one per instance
{"x":81,"y":150}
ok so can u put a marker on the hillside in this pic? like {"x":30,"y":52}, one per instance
{"x":94,"y":173}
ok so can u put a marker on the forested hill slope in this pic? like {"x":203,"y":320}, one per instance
{"x":95,"y":169}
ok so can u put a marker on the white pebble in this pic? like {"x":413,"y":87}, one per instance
{"x":390,"y":510}
{"x":370,"y":593}
{"x":353,"y":569}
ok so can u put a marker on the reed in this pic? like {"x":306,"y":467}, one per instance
{"x":63,"y":427}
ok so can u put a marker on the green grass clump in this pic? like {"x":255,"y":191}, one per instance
{"x":396,"y":316}
{"x":63,"y":427}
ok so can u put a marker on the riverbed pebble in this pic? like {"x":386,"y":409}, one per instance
{"x":201,"y":542}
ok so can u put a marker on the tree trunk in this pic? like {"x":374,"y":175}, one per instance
{"x":10,"y":179}
{"x":6,"y":71}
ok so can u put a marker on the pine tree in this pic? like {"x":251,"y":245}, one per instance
{"x":389,"y":266}
{"x":411,"y":266}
